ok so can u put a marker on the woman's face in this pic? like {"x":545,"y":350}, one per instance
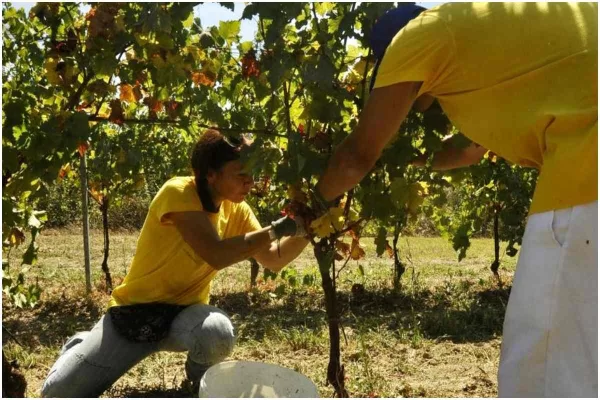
{"x":231,"y":182}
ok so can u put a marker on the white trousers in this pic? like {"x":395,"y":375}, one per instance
{"x":550,"y":338}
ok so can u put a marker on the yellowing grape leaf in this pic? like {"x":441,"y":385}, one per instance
{"x":65,"y":169}
{"x":197,"y":53}
{"x":357,"y":251}
{"x":104,"y":111}
{"x":295,"y":193}
{"x":16,"y":237}
{"x":82,"y":148}
{"x":409,"y":195}
{"x":343,"y":247}
{"x":200,"y":78}
{"x":96,"y":194}
{"x":250,"y":66}
{"x":51,"y":73}
{"x":389,"y":249}
{"x":173,"y":108}
{"x":126,"y":93}
{"x":352,"y":215}
{"x":356,"y":73}
{"x":153,"y":104}
{"x":490,"y":155}
{"x":137,"y":92}
{"x":330,"y":222}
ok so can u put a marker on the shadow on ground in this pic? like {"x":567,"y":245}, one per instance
{"x":460,"y":313}
{"x":152,"y":392}
{"x":54,"y":320}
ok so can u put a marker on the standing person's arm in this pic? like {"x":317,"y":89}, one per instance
{"x":450,"y":157}
{"x":379,"y":122}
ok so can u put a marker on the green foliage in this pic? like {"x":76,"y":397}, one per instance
{"x":62,"y":203}
{"x":268,"y":274}
{"x":491,"y":185}
{"x":381,"y":241}
{"x":18,"y":293}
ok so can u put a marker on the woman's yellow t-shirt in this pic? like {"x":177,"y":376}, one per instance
{"x":520,"y":79}
{"x":165,"y":269}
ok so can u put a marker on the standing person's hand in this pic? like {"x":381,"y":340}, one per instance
{"x":319,"y":205}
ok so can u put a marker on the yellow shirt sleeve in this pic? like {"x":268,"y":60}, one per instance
{"x":422,"y":51}
{"x":177,"y":195}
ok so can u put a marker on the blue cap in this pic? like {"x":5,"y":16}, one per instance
{"x":386,"y":27}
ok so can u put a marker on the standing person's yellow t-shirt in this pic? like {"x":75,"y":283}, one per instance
{"x":165,"y":268}
{"x":520,"y":79}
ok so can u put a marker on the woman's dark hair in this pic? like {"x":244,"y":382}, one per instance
{"x":211,"y":152}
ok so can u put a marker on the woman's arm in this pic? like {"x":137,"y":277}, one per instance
{"x":289,"y":249}
{"x":199,"y":233}
{"x":451,"y":157}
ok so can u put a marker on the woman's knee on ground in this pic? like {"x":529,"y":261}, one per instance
{"x":205,"y":332}
{"x":55,"y":383}
{"x":74,"y":378}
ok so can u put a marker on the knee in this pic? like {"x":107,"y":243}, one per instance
{"x":209,"y":337}
{"x":57,"y":383}
{"x":49,"y":388}
{"x":213,"y":339}
{"x":55,"y":386}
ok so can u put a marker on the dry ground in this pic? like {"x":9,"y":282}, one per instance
{"x":438,"y":337}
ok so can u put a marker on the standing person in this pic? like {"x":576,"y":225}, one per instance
{"x":521,"y":80}
{"x":195,"y":227}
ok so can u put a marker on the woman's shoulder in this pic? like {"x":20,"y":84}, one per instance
{"x":179,"y":184}
{"x":180,"y":187}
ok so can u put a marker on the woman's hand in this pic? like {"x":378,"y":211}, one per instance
{"x":288,"y":227}
{"x":291,"y":240}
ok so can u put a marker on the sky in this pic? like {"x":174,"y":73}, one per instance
{"x":211,"y":13}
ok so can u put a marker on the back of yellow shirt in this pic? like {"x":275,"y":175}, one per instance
{"x":521,"y":79}
{"x":165,"y":268}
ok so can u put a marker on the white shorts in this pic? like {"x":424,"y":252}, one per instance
{"x":550,"y":339}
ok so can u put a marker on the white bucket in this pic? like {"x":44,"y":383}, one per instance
{"x":254,"y":379}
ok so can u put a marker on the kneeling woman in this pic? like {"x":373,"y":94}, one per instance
{"x":195,"y":227}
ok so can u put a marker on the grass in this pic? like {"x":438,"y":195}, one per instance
{"x":439,"y":336}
